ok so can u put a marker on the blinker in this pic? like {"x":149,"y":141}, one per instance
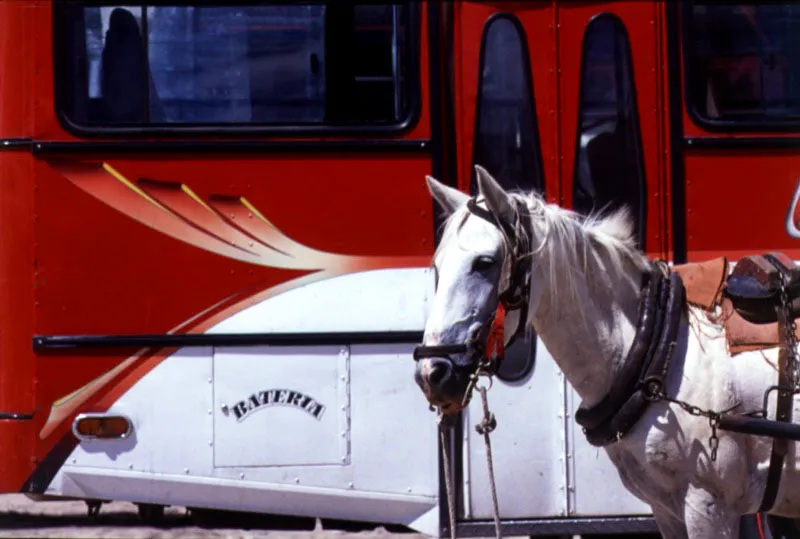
{"x":101,"y":426}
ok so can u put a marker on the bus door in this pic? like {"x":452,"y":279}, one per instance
{"x":534,"y":82}
{"x":504,"y":123}
{"x":612,"y":140}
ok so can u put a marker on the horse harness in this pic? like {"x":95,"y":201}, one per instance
{"x":489,"y":342}
{"x":643,"y":376}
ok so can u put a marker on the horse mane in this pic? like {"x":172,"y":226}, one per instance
{"x":563,"y":238}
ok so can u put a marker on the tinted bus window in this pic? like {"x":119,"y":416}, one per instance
{"x":743,"y":62}
{"x":506,"y":132}
{"x":609,"y":168}
{"x":297,"y":64}
{"x":507,"y":140}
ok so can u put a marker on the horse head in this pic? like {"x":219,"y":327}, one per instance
{"x":482,"y":289}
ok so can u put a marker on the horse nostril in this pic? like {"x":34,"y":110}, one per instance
{"x":438,"y":373}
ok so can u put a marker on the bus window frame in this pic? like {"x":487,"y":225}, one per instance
{"x":766,"y":125}
{"x":61,"y":74}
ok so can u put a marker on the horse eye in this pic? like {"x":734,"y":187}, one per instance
{"x":483,"y":263}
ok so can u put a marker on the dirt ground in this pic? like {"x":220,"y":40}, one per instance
{"x":22,"y":517}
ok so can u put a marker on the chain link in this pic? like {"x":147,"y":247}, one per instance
{"x":712,"y":416}
{"x":654,"y":391}
{"x":790,"y":338}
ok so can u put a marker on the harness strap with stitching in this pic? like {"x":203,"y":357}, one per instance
{"x":783,"y":411}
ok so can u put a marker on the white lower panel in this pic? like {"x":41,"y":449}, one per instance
{"x":281,"y":406}
{"x":418,"y":512}
{"x":527,"y":446}
{"x":595,"y":482}
{"x":390,"y":476}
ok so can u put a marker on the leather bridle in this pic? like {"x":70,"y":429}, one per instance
{"x":487,"y":344}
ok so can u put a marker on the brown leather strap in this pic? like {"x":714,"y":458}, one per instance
{"x":783,"y":412}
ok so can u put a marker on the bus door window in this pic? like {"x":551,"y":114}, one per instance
{"x":507,"y":138}
{"x":609,"y":168}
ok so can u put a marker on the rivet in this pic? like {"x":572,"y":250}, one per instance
{"x":186,"y":470}
{"x":209,"y":411}
{"x":350,"y":484}
{"x":296,"y":479}
{"x":210,"y":380}
{"x":241,"y":476}
{"x":130,"y":466}
{"x":210,"y":442}
{"x":409,"y":489}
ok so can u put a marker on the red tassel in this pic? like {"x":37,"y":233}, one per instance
{"x":495,"y":344}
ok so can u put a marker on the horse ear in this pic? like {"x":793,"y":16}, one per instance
{"x":497,"y":200}
{"x":448,"y":198}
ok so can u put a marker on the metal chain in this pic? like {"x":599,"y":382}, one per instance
{"x":713,"y":418}
{"x":790,"y":338}
{"x":654,"y":390}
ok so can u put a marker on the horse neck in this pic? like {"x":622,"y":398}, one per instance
{"x":588,"y":332}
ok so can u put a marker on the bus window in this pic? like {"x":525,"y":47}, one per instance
{"x":609,"y":168}
{"x":507,"y":139}
{"x":506,"y":132}
{"x":295,"y":65}
{"x":743,"y":62}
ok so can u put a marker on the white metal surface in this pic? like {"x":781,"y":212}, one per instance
{"x":528,"y":446}
{"x":380,"y":300}
{"x":595,"y":486}
{"x":418,"y":512}
{"x":283,"y":459}
{"x":281,"y":406}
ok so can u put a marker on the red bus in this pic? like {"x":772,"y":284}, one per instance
{"x":215,"y":234}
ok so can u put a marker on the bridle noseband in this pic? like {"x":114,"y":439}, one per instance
{"x":488,"y":343}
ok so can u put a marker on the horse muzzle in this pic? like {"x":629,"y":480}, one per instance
{"x":443,"y":380}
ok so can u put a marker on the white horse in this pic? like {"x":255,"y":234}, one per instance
{"x":584,"y":294}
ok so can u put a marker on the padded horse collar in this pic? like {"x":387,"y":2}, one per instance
{"x":644,"y":372}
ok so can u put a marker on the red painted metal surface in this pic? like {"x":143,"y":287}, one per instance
{"x":18,"y":368}
{"x":81,"y":251}
{"x":737,"y":204}
{"x":84,"y":252}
